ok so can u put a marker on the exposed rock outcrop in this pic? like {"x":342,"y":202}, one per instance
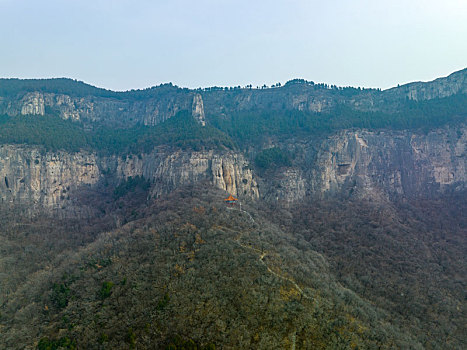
{"x":38,"y":179}
{"x":198,"y":109}
{"x":166,"y":170}
{"x":32,"y":177}
{"x":152,"y":106}
{"x":439,"y":88}
{"x":33,"y":103}
{"x":92,"y":109}
{"x":378,"y":165}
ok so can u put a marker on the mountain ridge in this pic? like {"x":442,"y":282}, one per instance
{"x":38,"y":81}
{"x":350,"y":234}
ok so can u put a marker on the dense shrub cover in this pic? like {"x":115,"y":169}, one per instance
{"x":189,"y":273}
{"x":53,"y":133}
{"x":257,"y":125}
{"x":272,"y":157}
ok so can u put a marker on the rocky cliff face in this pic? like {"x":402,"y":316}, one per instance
{"x":117,"y":112}
{"x":43,"y":180}
{"x":33,"y":103}
{"x":158,"y":104}
{"x":37,"y":179}
{"x":376,"y":165}
{"x":315,"y":98}
{"x":439,"y":88}
{"x":198,"y":109}
{"x":113,"y":111}
{"x":228,"y":171}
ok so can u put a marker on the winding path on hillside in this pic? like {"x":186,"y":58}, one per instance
{"x":262,"y":255}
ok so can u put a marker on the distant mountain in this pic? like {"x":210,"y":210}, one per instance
{"x":350,"y":234}
{"x":71,"y":99}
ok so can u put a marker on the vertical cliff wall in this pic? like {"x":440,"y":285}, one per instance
{"x":38,"y":179}
{"x":78,"y":101}
{"x":378,"y":165}
{"x":392,"y":163}
{"x":168,"y":170}
{"x":32,"y":177}
{"x":107,"y":110}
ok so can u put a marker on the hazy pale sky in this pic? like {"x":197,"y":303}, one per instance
{"x":125,"y":44}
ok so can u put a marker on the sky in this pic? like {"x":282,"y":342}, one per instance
{"x":131,"y":44}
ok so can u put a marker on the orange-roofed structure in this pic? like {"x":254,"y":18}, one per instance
{"x":231,"y":200}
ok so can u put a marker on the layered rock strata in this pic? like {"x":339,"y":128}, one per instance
{"x":38,"y":179}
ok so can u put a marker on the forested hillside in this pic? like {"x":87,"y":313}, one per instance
{"x":184,"y":271}
{"x":348,"y":229}
{"x":53,"y":133}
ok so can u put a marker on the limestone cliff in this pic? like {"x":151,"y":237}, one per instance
{"x":439,"y":88}
{"x":198,"y":109}
{"x":32,"y":177}
{"x":33,"y":103}
{"x":377,"y":165}
{"x":370,"y":164}
{"x":107,"y":110}
{"x":38,"y":179}
{"x":152,"y":106}
{"x":168,"y":170}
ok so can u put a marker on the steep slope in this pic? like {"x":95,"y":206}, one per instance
{"x":408,"y":258}
{"x":380,"y":165}
{"x":455,"y":83}
{"x":191,"y":270}
{"x":351,"y":232}
{"x":357,"y":163}
{"x":51,"y":180}
{"x":78,"y":101}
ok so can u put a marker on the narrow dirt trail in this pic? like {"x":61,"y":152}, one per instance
{"x":263,"y":254}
